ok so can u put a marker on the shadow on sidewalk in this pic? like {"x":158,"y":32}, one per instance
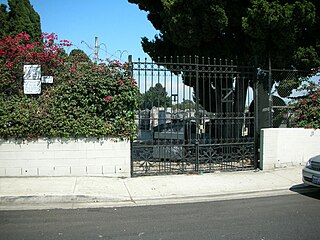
{"x":308,"y":191}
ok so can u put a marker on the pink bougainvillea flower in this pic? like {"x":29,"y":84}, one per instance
{"x":24,"y":36}
{"x":73,"y":70}
{"x":108,"y":99}
{"x":121,"y":82}
{"x":10,"y":65}
{"x":17,"y":50}
{"x":315,"y":96}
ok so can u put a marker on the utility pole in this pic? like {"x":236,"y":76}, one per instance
{"x":96,"y":50}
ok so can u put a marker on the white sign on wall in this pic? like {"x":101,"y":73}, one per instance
{"x":31,"y":72}
{"x":32,"y":86}
{"x":32,"y":79}
{"x":47,"y":79}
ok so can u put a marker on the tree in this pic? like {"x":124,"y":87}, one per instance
{"x":184,"y":105}
{"x":275,"y":29}
{"x":80,"y":55}
{"x":249,"y":31}
{"x":4,"y":28}
{"x":241,"y":30}
{"x":155,"y":97}
{"x":21,"y":18}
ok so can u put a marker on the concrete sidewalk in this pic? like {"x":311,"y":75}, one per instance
{"x":90,"y":192}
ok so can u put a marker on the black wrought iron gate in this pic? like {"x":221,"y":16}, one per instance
{"x":195,"y":115}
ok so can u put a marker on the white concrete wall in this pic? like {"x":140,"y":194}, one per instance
{"x":282,"y":147}
{"x":60,"y":157}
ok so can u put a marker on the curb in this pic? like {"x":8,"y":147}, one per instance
{"x":45,"y":202}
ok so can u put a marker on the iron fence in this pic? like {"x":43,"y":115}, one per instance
{"x":195,"y":115}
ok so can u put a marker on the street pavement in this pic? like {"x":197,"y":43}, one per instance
{"x":28,"y":193}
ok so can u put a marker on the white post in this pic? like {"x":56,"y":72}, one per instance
{"x":96,"y":50}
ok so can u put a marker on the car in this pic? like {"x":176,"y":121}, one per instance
{"x":311,"y":172}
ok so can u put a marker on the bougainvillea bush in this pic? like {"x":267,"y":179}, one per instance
{"x":85,"y":100}
{"x":17,"y":51}
{"x":307,"y":108}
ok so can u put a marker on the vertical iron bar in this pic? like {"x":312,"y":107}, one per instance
{"x":197,"y":114}
{"x":270,"y":94}
{"x":256,"y":117}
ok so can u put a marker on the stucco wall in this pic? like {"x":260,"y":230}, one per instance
{"x":61,"y":157}
{"x":282,"y":147}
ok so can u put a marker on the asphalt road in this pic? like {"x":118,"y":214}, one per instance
{"x":295,"y":216}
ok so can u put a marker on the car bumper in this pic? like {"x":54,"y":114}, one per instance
{"x":308,"y":176}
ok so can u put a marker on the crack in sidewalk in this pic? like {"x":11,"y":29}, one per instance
{"x":75,"y":185}
{"x":131,"y":199}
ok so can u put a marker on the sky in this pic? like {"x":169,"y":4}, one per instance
{"x":118,"y":24}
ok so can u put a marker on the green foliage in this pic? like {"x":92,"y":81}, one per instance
{"x":210,"y":17}
{"x":274,"y":28}
{"x":243,"y":30}
{"x":4,"y":25}
{"x":15,"y":51}
{"x":21,"y":18}
{"x":79,"y":54}
{"x":268,"y":33}
{"x":286,"y":81}
{"x":307,"y":56}
{"x":19,"y":116}
{"x":286,"y":87}
{"x":184,"y":105}
{"x":85,"y":100}
{"x":93,"y":100}
{"x":155,"y":97}
{"x":307,"y":108}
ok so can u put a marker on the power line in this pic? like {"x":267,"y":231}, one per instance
{"x":97,"y":47}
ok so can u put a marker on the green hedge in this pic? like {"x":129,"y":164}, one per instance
{"x":85,"y":100}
